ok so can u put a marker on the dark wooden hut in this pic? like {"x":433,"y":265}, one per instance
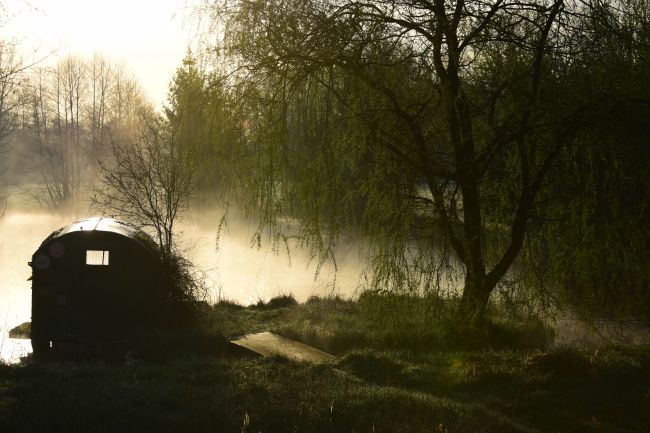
{"x":93,"y":281}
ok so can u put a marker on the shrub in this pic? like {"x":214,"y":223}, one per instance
{"x":281,"y":301}
{"x":182,"y":281}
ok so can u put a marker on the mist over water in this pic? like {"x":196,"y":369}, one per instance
{"x":21,"y":233}
{"x":239,"y":272}
{"x":235,"y":272}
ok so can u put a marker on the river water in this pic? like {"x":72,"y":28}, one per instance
{"x":235,"y":272}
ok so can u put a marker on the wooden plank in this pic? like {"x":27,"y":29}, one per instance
{"x":269,"y":344}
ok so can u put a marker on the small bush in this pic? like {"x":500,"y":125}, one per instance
{"x":181,"y":279}
{"x":227,"y":304}
{"x":281,"y":301}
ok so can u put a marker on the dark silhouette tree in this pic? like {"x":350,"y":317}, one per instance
{"x":599,"y":214}
{"x":147,"y":182}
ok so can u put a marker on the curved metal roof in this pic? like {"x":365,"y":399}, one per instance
{"x":104,"y":224}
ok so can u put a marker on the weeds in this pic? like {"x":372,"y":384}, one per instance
{"x":400,"y":323}
{"x":282,"y":301}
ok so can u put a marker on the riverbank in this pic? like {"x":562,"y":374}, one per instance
{"x":392,"y":374}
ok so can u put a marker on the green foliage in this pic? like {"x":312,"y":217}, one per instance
{"x":378,"y":322}
{"x":439,"y":143}
{"x":182,"y":281}
{"x":281,"y":301}
{"x":204,"y":119}
{"x":594,"y":245}
{"x":444,"y":146}
{"x":401,"y":322}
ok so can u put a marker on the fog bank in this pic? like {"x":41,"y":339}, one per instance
{"x":235,"y":272}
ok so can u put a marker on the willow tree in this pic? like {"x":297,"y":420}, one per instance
{"x":431,"y":126}
{"x":601,"y":223}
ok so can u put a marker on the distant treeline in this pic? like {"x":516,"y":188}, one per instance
{"x":65,"y":119}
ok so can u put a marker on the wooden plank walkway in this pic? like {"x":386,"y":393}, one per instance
{"x":269,"y":344}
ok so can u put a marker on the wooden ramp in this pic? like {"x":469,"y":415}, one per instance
{"x":269,"y":344}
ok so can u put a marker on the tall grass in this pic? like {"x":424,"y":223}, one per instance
{"x":402,"y":322}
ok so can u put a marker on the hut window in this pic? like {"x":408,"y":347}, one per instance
{"x":95,"y":257}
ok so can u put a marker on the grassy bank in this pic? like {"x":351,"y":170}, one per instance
{"x":383,"y":380}
{"x":378,"y":322}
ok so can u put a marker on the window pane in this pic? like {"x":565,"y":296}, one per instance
{"x":95,"y":257}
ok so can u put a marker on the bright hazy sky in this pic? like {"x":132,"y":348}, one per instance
{"x":149,"y":36}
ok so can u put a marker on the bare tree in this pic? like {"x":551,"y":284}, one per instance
{"x":12,"y":70}
{"x":73,"y":109}
{"x":72,"y":73}
{"x":55,"y":188}
{"x":101,"y":82}
{"x":148,"y":182}
{"x":127,"y":100}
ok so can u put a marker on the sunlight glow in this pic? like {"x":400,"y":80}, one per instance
{"x":149,"y":36}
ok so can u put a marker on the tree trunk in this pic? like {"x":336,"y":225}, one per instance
{"x":474,"y":301}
